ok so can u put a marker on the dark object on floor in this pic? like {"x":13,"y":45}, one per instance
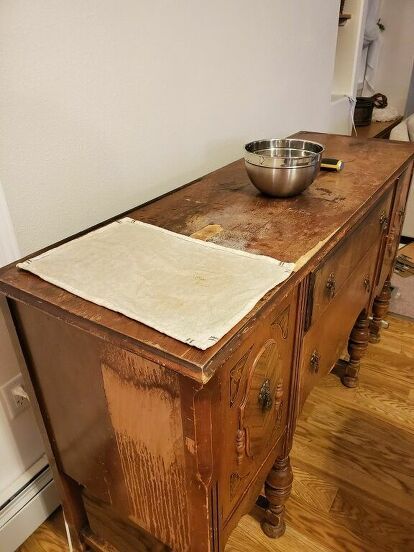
{"x":364,"y":107}
{"x":363,"y":111}
{"x":404,"y":266}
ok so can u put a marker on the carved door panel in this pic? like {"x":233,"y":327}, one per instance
{"x":256,"y":380}
{"x":262,"y":405}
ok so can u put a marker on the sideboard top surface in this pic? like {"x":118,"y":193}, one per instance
{"x":303,"y":228}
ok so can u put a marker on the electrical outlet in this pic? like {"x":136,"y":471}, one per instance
{"x":14,"y":403}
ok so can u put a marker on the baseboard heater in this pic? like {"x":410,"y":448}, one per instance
{"x":22,"y":514}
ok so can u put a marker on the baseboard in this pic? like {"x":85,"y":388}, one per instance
{"x":21,"y":482}
{"x":27,"y":510}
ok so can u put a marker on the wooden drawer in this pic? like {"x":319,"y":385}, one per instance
{"x":327,"y":338}
{"x":392,"y":239}
{"x":255,"y":384}
{"x":331,"y":277}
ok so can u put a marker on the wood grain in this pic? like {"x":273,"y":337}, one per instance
{"x":353,"y":486}
{"x":377,"y":129}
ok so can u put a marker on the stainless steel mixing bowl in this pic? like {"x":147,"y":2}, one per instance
{"x":282,"y":167}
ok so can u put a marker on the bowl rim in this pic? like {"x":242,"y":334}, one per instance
{"x":263,"y":160}
{"x":280,"y":167}
{"x":289,"y":140}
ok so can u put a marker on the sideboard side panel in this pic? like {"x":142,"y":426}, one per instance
{"x":115,"y":421}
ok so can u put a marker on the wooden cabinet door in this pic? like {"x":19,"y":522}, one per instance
{"x":261,"y":409}
{"x":255,"y":387}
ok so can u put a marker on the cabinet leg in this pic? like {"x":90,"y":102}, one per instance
{"x":277,"y":489}
{"x":379,"y":310}
{"x":357,"y":345}
{"x":73,"y":509}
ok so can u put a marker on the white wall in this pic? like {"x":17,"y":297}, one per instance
{"x":340,"y":120}
{"x":348,"y":49}
{"x":20,"y":442}
{"x":393,"y":73}
{"x":105,"y":104}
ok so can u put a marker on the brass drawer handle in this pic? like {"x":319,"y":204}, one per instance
{"x":383,"y":220}
{"x":367,"y":284}
{"x":314,"y":361}
{"x":265,"y":399}
{"x":331,"y":285}
{"x":401,"y":213}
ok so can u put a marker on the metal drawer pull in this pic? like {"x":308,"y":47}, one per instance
{"x":265,"y":398}
{"x":367,"y":284}
{"x":383,"y":220}
{"x":314,"y":361}
{"x":331,"y":285}
{"x":401,"y":213}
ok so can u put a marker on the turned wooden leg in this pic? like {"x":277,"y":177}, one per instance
{"x":277,"y":489}
{"x":357,"y":345}
{"x":379,"y":310}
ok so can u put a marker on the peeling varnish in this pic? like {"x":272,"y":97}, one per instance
{"x":207,"y":232}
{"x":190,"y":444}
{"x":312,"y":252}
{"x":145,"y":411}
{"x":194,"y":223}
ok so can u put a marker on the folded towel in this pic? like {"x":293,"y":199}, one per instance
{"x":191,"y":290}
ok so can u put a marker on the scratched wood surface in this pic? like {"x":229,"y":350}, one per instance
{"x":286,"y":229}
{"x":353,"y":464}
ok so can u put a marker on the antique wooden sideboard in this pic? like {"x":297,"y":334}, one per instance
{"x":156,"y":445}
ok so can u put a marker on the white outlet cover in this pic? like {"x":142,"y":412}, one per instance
{"x":12,"y":405}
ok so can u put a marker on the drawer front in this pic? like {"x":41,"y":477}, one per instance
{"x":326,"y":340}
{"x":331,"y":277}
{"x":392,"y":239}
{"x":255,"y":384}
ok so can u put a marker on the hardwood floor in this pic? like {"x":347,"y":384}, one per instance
{"x":353,"y":461}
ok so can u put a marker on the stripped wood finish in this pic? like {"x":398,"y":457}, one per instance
{"x":329,"y":510}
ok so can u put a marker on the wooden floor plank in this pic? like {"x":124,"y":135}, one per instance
{"x":310,"y":488}
{"x":353,"y":462}
{"x":49,"y":537}
{"x":373,"y":522}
